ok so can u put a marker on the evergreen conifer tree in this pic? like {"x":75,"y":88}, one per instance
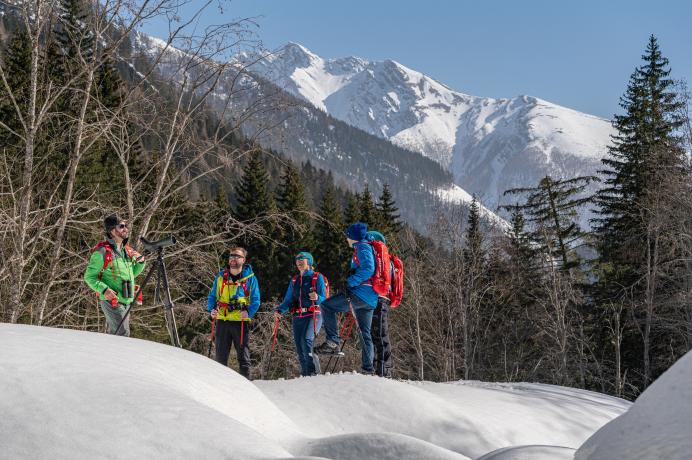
{"x":552,"y":208}
{"x":255,"y":207}
{"x":645,"y":157}
{"x":297,"y":235}
{"x":389,"y":218}
{"x":17,"y":67}
{"x":352,"y":211}
{"x":368,"y":212}
{"x":331,"y":252}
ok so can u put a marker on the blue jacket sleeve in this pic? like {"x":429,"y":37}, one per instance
{"x":321,"y":290}
{"x":254,"y":297}
{"x":366,"y":269}
{"x":211,"y":298}
{"x":288,"y":298}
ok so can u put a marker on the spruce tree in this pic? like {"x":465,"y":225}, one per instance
{"x":552,"y":207}
{"x":296,"y":235}
{"x":650,"y":121}
{"x":645,"y":156}
{"x":474,"y":237}
{"x":368,"y":212}
{"x":389,"y":218}
{"x":256,"y":207}
{"x":352,"y":211}
{"x":331,"y":252}
{"x":16,"y":59}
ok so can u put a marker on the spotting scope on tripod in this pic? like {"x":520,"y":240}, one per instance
{"x":162,"y":290}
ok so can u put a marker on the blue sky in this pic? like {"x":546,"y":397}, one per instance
{"x":579,"y":54}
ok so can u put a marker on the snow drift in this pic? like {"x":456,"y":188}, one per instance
{"x":657,"y":425}
{"x":73,"y":394}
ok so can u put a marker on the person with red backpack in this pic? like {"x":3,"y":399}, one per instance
{"x":380,"y":322}
{"x":306,"y":291}
{"x":111,"y":273}
{"x":359,"y":297}
{"x":232,"y":302}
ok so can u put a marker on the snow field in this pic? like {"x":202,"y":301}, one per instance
{"x":73,"y":394}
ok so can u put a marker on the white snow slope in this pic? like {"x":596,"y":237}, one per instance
{"x":73,"y":394}
{"x":657,"y":426}
{"x":490,"y":145}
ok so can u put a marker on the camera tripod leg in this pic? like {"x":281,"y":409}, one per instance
{"x":161,"y":282}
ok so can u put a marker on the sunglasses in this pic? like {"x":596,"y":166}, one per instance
{"x":301,"y":258}
{"x":122,"y":226}
{"x":236,"y":256}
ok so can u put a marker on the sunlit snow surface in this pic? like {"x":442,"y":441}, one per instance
{"x":72,"y":394}
{"x":658,"y":425}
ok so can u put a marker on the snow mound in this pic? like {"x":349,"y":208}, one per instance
{"x":87,"y":395}
{"x":73,"y":394}
{"x":531,"y":453}
{"x":658,"y":425}
{"x":470,"y":418}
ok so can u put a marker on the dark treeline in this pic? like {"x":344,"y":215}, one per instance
{"x":539,"y":300}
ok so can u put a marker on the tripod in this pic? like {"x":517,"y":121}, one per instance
{"x":159,"y":268}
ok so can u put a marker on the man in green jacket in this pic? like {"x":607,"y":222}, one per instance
{"x":111,"y":273}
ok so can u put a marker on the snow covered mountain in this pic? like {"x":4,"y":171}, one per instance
{"x":490,"y":145}
{"x":303,"y":132}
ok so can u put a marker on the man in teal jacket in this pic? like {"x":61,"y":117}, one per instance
{"x":111,"y":273}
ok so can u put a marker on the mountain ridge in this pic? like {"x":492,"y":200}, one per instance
{"x":489,"y":144}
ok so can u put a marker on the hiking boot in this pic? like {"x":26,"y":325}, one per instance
{"x":327,"y":348}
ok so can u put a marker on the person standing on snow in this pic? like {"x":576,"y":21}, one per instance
{"x":232,"y":302}
{"x":111,"y":273}
{"x":359,"y":297}
{"x":380,"y":325}
{"x":306,"y":291}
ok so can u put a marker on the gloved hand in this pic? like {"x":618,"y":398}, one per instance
{"x":243,"y":315}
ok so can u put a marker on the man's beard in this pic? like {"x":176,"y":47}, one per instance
{"x":235,"y":265}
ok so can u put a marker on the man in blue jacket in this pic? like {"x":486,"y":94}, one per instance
{"x":359,"y":296}
{"x":232,"y":302}
{"x":380,"y":325}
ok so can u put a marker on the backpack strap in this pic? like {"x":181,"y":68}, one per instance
{"x":107,"y":257}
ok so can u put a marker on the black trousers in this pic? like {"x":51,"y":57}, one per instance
{"x":380,"y":338}
{"x":227,"y":334}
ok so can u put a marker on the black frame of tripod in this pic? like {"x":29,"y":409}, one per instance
{"x":159,"y":268}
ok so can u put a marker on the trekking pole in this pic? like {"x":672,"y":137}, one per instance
{"x":275,"y":334}
{"x":343,"y":335}
{"x":211,"y":338}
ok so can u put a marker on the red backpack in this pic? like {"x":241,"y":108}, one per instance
{"x":385,"y":282}
{"x":397,"y":291}
{"x":382,"y":279}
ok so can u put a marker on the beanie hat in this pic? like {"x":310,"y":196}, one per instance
{"x":305,"y":255}
{"x":377,"y":236}
{"x":110,"y":222}
{"x":357,"y":231}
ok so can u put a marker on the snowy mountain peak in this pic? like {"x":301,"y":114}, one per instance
{"x":299,"y":55}
{"x":489,"y":144}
